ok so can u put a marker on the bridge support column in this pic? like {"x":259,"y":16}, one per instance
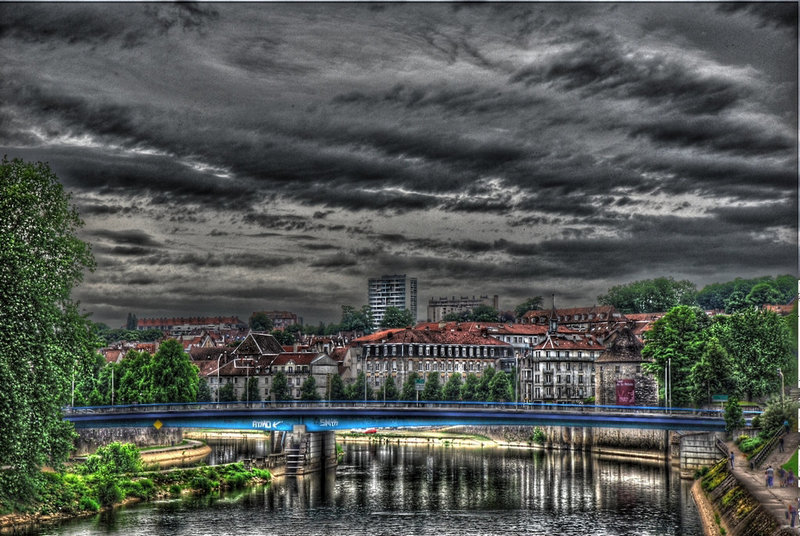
{"x":304,"y":451}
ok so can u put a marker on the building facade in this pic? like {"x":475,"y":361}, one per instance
{"x":438,"y":308}
{"x":396,"y":353}
{"x":387,"y":291}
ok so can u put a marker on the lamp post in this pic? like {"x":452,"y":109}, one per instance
{"x":516,"y":379}
{"x":218,"y":358}
{"x":781,"y":375}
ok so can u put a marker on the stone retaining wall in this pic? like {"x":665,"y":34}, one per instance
{"x":90,"y":438}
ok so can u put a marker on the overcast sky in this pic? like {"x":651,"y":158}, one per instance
{"x":230,"y":158}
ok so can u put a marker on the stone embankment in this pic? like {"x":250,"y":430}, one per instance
{"x":737,"y":502}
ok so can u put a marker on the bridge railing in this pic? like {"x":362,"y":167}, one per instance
{"x":395,"y":404}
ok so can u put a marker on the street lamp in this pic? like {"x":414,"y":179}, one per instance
{"x":220,"y":357}
{"x":781,"y":375}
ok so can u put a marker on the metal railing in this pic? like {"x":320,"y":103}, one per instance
{"x":766,"y":450}
{"x":396,"y":404}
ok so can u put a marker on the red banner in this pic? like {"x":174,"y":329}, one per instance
{"x":626,"y":392}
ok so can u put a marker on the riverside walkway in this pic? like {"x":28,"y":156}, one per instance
{"x":776,"y":500}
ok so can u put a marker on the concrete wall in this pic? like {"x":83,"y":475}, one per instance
{"x":90,"y":438}
{"x":698,"y":451}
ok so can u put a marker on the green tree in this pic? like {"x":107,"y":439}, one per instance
{"x":337,"y":388}
{"x":283,"y":337}
{"x":433,"y":387}
{"x":280,"y":387}
{"x":778,"y":412}
{"x":356,"y":319}
{"x":650,"y":295}
{"x":531,"y":304}
{"x":483,"y":393}
{"x":227,"y":393}
{"x":393,"y":317}
{"x":308,"y":391}
{"x":711,"y":374}
{"x":250,"y":392}
{"x":734,"y":417}
{"x":132,"y":377}
{"x":763,"y":293}
{"x":114,"y":458}
{"x":388,"y":389}
{"x":42,"y":333}
{"x":204,"y":391}
{"x":759,"y":343}
{"x":173,"y":377}
{"x":357,"y":389}
{"x":481,"y":313}
{"x":470,"y":390}
{"x":500,"y":388}
{"x":452,"y":387}
{"x":409,"y":391}
{"x":260,"y":322}
{"x":677,"y":338}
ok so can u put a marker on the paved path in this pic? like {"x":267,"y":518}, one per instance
{"x":775,"y":499}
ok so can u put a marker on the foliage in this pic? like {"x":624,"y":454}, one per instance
{"x":227,"y":393}
{"x":204,"y":391}
{"x":452,"y":387}
{"x":650,"y":295}
{"x":106,"y":489}
{"x":132,"y":378}
{"x":359,"y":390}
{"x":758,"y":343}
{"x":113,"y":458}
{"x":483,"y":392}
{"x":356,"y":319}
{"x":734,"y":417}
{"x":409,"y":391}
{"x":470,"y":388}
{"x":251,"y":392}
{"x":433,"y":388}
{"x":260,"y":322}
{"x":280,"y":387}
{"x":538,"y":436}
{"x":308,"y":391}
{"x":676,"y":338}
{"x":500,"y":388}
{"x":740,"y":294}
{"x":709,"y":375}
{"x":42,"y":335}
{"x":776,"y":414}
{"x":337,"y":388}
{"x":751,"y":444}
{"x":531,"y":304}
{"x":283,"y":337}
{"x":172,"y":374}
{"x":110,"y":336}
{"x":389,"y":389}
{"x":393,"y":317}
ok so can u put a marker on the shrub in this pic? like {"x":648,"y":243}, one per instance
{"x":113,"y":458}
{"x":107,"y":491}
{"x":175,"y":490}
{"x":750,"y":444}
{"x":237,"y":480}
{"x":539,"y":436}
{"x":202,"y":484}
{"x":88,"y":504}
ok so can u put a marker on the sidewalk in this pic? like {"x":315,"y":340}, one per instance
{"x":776,"y":499}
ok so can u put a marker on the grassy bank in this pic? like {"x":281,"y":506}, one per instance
{"x":116,"y":477}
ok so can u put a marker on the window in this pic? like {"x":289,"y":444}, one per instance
{"x":616,"y":369}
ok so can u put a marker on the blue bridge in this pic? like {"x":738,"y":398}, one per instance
{"x":332,"y":416}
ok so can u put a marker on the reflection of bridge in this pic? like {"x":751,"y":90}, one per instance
{"x":328,"y":416}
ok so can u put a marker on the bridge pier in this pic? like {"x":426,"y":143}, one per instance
{"x":300,"y":452}
{"x":698,"y":450}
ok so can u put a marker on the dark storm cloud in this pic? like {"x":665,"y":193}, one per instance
{"x":133,"y":237}
{"x":781,"y":15}
{"x":716,"y":134}
{"x":76,"y":23}
{"x":601,"y":66}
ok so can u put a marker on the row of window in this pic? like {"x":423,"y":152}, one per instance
{"x":427,"y":366}
{"x":432,"y":350}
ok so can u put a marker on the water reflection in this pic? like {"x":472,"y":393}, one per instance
{"x":397,"y":490}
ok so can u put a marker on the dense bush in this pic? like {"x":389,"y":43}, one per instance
{"x":750,"y":444}
{"x":113,"y":458}
{"x":107,"y":490}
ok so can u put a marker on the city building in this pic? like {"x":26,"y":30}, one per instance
{"x":438,"y":308}
{"x":281,"y":319}
{"x":182,"y":325}
{"x":396,"y":353}
{"x":620,"y":379}
{"x":392,"y":291}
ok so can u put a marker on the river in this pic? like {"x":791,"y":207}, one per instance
{"x":403,"y":490}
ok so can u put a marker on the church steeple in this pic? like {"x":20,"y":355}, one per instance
{"x":553,"y":318}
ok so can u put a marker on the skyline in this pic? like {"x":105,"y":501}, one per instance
{"x":231,"y":158}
